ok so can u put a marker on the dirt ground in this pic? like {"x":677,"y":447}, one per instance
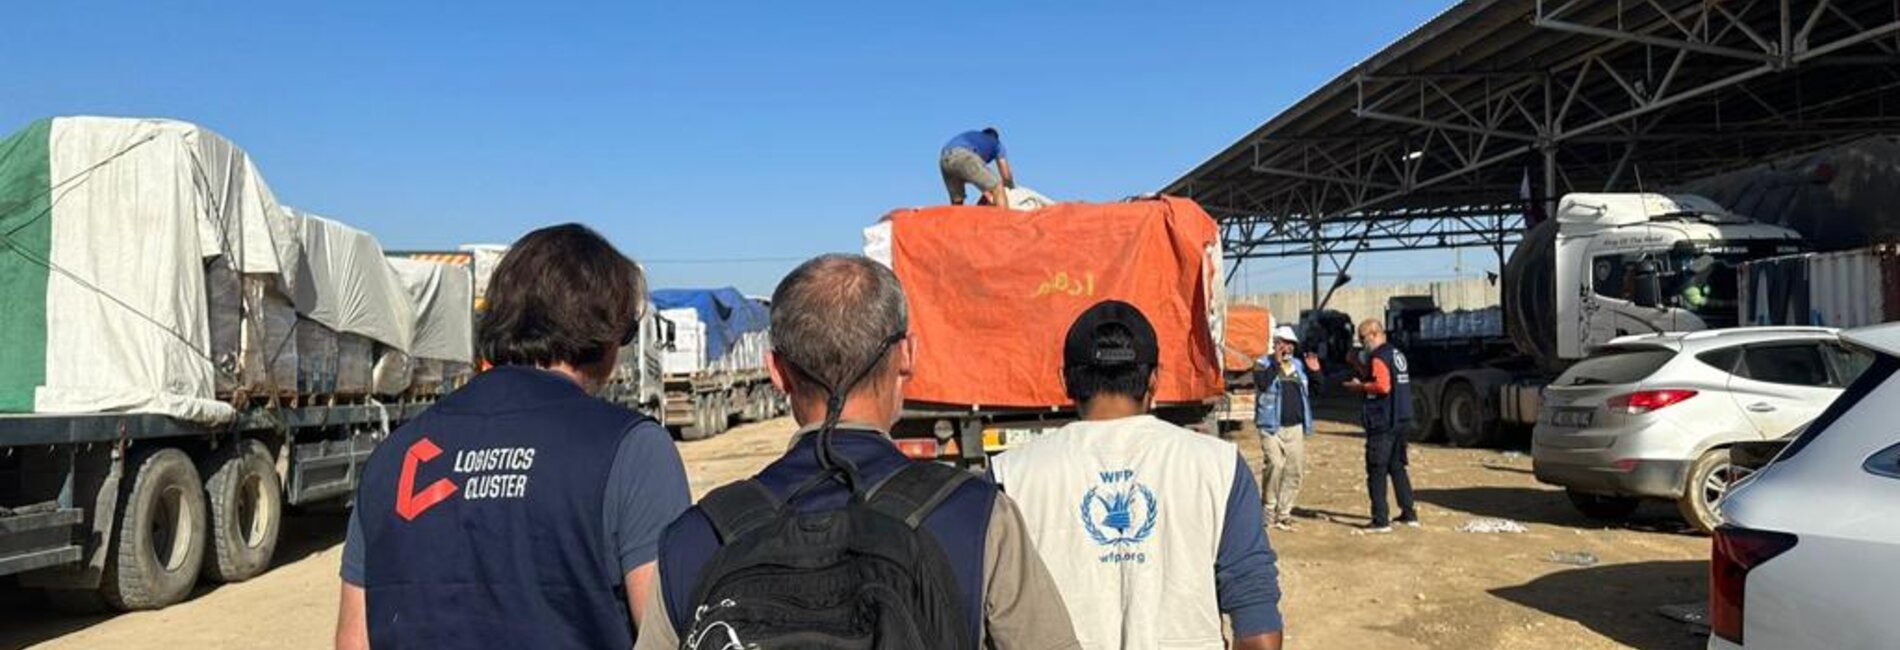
{"x":1434,"y":587}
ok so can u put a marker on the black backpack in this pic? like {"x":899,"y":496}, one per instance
{"x":865,"y":576}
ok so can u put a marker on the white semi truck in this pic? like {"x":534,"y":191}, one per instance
{"x":1606,"y":265}
{"x":711,"y":349}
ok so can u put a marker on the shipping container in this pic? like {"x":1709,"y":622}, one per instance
{"x":1841,"y":289}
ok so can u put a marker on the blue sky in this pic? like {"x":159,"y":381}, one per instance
{"x":717,"y":142}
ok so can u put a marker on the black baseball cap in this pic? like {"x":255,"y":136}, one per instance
{"x":1080,"y":348}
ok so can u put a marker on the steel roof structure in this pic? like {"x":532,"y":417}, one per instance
{"x":1446,"y":138}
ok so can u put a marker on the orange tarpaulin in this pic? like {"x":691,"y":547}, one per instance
{"x":992,"y":294}
{"x":1245,"y":338}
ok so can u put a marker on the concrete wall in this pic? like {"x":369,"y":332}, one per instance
{"x":1369,"y":301}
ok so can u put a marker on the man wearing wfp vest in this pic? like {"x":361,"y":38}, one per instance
{"x":844,"y":542}
{"x":1152,"y":531}
{"x":1387,"y":413}
{"x":520,"y":511}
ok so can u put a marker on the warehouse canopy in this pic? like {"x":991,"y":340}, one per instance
{"x":1453,"y":135}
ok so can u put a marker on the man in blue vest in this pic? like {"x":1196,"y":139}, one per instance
{"x":520,"y":511}
{"x":837,"y":318}
{"x":964,"y":161}
{"x":1386,"y":383}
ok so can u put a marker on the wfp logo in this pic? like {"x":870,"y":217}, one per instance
{"x":1119,"y":514}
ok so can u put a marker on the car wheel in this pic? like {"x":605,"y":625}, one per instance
{"x":1603,"y":508}
{"x":1709,"y":479}
{"x":1463,"y":417}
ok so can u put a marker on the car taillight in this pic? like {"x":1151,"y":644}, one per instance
{"x":1645,"y":401}
{"x":1736,"y":552}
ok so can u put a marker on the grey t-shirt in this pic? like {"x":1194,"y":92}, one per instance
{"x":646,"y":490}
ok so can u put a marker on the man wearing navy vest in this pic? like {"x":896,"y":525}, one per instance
{"x":1152,"y":531}
{"x":1386,"y":383}
{"x":520,"y":511}
{"x":834,"y":318}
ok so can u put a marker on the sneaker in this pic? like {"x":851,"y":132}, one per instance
{"x":1370,"y":529}
{"x":1283,"y":524}
{"x":1411,"y":523}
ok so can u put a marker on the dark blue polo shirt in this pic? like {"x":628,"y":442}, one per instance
{"x":509,"y":513}
{"x":960,"y":525}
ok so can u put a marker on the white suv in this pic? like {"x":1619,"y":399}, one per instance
{"x":1650,"y":417}
{"x":1811,"y":551}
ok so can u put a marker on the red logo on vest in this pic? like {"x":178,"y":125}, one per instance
{"x":409,"y":503}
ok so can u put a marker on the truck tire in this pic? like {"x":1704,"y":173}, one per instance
{"x":1709,"y":478}
{"x":247,"y":509}
{"x":1603,"y":508}
{"x":1463,"y":418}
{"x":1425,"y":419}
{"x":701,"y":428}
{"x":158,"y":547}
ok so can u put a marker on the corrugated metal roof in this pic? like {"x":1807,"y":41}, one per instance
{"x":1459,"y":112}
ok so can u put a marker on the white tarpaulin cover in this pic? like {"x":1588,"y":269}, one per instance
{"x":444,"y":300}
{"x":346,"y":284}
{"x":108,"y":227}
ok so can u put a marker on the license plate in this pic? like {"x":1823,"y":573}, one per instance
{"x":1576,"y":418}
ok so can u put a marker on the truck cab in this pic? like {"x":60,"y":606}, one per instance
{"x":1646,"y":263}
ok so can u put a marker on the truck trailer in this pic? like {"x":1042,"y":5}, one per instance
{"x":185,"y":358}
{"x":1607,"y":265}
{"x":992,"y":294}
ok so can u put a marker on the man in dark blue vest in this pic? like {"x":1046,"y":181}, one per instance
{"x":1386,"y":383}
{"x":520,"y":511}
{"x":837,"y":318}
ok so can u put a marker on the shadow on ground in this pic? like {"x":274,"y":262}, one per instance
{"x":27,"y":619}
{"x":1620,"y":602}
{"x":1542,"y":506}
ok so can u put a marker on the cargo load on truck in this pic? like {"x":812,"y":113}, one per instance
{"x":1248,"y":330}
{"x":146,"y":270}
{"x":443,"y":344}
{"x":992,"y":298}
{"x":163,"y":314}
{"x":353,"y":296}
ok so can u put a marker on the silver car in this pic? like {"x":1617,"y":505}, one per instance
{"x":1650,"y":417}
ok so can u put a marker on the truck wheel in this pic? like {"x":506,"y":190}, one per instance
{"x":1463,"y":418}
{"x":1603,"y":508}
{"x":247,"y":509}
{"x":159,"y":547}
{"x":700,"y":429}
{"x":1425,"y":420}
{"x":1708,"y":481}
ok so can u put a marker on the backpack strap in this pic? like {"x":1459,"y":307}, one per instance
{"x":913,"y":492}
{"x":737,"y":508}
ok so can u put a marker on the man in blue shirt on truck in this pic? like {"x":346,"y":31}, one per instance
{"x":964,"y":161}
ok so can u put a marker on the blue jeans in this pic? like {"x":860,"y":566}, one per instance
{"x":1385,"y":458}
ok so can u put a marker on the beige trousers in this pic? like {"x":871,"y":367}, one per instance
{"x":1285,"y":452}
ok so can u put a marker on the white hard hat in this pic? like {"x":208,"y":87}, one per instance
{"x":1285,"y":333}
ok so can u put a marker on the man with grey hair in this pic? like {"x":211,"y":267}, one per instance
{"x":880,"y":543}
